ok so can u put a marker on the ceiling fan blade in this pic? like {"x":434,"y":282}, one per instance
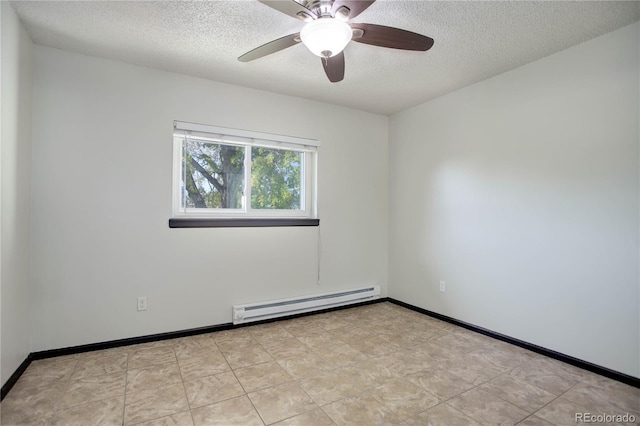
{"x":394,"y":38}
{"x":291,"y":8}
{"x":334,"y":67}
{"x":271,"y":47}
{"x":356,"y":7}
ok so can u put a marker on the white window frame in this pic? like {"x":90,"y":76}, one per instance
{"x":247,"y":139}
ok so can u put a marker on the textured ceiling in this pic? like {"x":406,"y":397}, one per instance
{"x":473,"y":41}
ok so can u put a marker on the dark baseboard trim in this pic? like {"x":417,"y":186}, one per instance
{"x":15,"y":376}
{"x":182,"y":333}
{"x":128,"y":341}
{"x":157,"y":337}
{"x":585,"y":365}
{"x":603,"y":371}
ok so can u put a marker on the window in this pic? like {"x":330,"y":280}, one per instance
{"x":227,"y":173}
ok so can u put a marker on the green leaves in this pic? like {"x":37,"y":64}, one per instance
{"x":213,"y":176}
{"x":275,"y":178}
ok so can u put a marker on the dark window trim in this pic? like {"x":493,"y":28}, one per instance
{"x":189,"y":222}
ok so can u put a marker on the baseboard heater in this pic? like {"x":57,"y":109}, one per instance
{"x":296,"y":305}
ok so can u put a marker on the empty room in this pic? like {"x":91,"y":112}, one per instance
{"x":320,"y":212}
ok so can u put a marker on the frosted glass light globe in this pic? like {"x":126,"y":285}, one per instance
{"x":326,"y":37}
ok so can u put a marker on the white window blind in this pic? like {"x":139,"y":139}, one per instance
{"x":236,"y":136}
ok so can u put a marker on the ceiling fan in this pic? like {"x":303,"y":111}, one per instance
{"x":328,"y":31}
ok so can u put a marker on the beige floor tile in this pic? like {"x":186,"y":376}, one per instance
{"x":153,"y":345}
{"x":360,"y":410}
{"x":194,"y":368}
{"x":232,"y":412}
{"x":245,"y":356}
{"x":451,"y":327}
{"x":425,"y":330}
{"x":151,"y":355}
{"x":211,"y":389}
{"x":562,"y":412}
{"x":606,"y":396}
{"x":32,"y":402}
{"x":94,"y":388}
{"x":560,"y":368}
{"x":25,"y":416}
{"x":286,"y":348}
{"x":403,"y":398}
{"x":520,"y":394}
{"x":441,"y":415}
{"x":542,"y":378}
{"x":37,"y":410}
{"x":281,"y":402}
{"x":368,"y":373}
{"x":151,"y":404}
{"x":100,"y":365}
{"x":499,"y":358}
{"x":315,"y":417}
{"x":406,"y":362}
{"x":374,"y":346}
{"x":105,"y":353}
{"x":364,"y":365}
{"x":207,"y":341}
{"x":179,"y":419}
{"x":524,"y":354}
{"x":59,"y":368}
{"x":472,"y":368}
{"x":107,"y":412}
{"x":261,"y":376}
{"x":486,"y":408}
{"x":436,"y":355}
{"x":265,"y":333}
{"x":231,"y":339}
{"x":193,"y":349}
{"x":479,"y":340}
{"x":330,"y":322}
{"x":301,"y":330}
{"x":341,"y":355}
{"x":238,"y":343}
{"x":455,"y":342}
{"x":534,"y":421}
{"x":331,"y":385}
{"x":153,"y":376}
{"x":32,"y":391}
{"x":303,"y":366}
{"x":408,"y":340}
{"x":320,"y":343}
{"x":350,"y":334}
{"x":440,"y":382}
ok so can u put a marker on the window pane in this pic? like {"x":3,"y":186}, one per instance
{"x":276,"y":176}
{"x":212,"y":175}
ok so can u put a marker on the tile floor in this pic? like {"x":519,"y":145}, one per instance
{"x":372,"y":365}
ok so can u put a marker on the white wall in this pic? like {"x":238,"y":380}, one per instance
{"x":522,"y":193}
{"x":102,"y":146}
{"x":15,"y":152}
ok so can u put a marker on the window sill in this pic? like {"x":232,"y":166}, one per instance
{"x":239,"y":223}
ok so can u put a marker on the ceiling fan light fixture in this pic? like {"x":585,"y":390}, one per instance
{"x":326,"y":37}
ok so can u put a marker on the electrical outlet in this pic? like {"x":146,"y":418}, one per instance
{"x":443,"y":286}
{"x":142,"y":303}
